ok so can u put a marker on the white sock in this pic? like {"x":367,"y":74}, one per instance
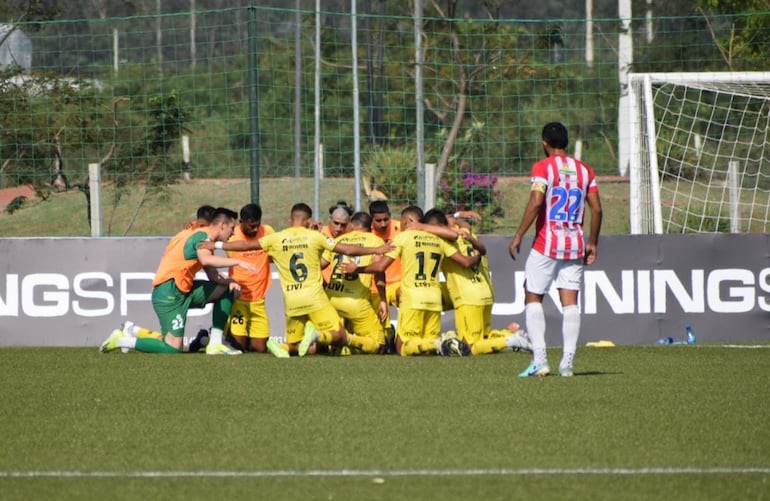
{"x":570,"y":328}
{"x":127,"y":342}
{"x":215,"y":336}
{"x":536,"y":330}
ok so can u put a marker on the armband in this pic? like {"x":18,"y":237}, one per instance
{"x":219,"y":245}
{"x":456,"y":215}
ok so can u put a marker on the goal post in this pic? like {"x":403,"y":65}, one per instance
{"x":700,"y":152}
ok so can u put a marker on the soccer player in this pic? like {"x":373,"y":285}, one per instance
{"x":385,"y":227}
{"x":350,"y":294}
{"x":472,"y":295}
{"x":339,"y":222}
{"x":175,"y":291}
{"x":249,"y":325}
{"x":419,"y":312}
{"x":202,"y":217}
{"x":561,"y":188}
{"x":297,"y":252}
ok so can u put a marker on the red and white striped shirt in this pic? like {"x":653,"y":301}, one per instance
{"x":565,"y":181}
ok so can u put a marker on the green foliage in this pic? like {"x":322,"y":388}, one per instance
{"x":474,"y":192}
{"x":392,"y":171}
{"x":741,"y":29}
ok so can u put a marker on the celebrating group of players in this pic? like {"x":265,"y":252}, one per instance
{"x":339,"y":281}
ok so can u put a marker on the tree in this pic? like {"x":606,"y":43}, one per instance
{"x":450,"y":102}
{"x":742,"y":37}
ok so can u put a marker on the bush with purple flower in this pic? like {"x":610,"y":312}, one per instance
{"x":473,"y":191}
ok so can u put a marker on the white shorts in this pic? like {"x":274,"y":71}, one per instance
{"x":540,"y":271}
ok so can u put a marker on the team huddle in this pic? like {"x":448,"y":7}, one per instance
{"x":339,"y":281}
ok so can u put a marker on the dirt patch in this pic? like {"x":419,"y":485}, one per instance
{"x":7,"y":195}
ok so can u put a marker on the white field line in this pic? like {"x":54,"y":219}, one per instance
{"x":655,"y":470}
{"x":739,"y":346}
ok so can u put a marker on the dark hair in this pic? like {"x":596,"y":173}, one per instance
{"x":412,"y":210}
{"x":302,"y":207}
{"x":341,"y":204}
{"x":435,"y":216}
{"x":205,"y":212}
{"x":251,"y":212}
{"x":362,"y":219}
{"x":555,"y":134}
{"x":379,"y":207}
{"x":221,"y":213}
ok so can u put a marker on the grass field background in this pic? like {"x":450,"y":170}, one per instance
{"x":66,"y":214}
{"x":671,"y":422}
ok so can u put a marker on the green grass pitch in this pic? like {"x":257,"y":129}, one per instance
{"x":636,"y":422}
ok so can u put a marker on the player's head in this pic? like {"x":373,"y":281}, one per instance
{"x":203,"y":215}
{"x":435,"y":216}
{"x":555,"y":137}
{"x":380,"y":213}
{"x":301,"y":215}
{"x":361,"y":221}
{"x":223,"y":223}
{"x":410,"y":215}
{"x":338,"y":221}
{"x":251,"y":219}
{"x":341,"y":204}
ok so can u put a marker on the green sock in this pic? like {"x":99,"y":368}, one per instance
{"x":152,"y":345}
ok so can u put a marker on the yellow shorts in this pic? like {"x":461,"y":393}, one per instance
{"x":473,"y":322}
{"x":249,"y":319}
{"x":360,"y":318}
{"x":326,"y":320}
{"x":418,"y":323}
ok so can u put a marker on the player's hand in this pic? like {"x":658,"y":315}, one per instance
{"x":190,"y":225}
{"x":206,"y":245}
{"x":348,"y":267}
{"x":471,"y":215}
{"x":383,"y":311}
{"x":235,"y":288}
{"x":515,"y":247}
{"x":590,"y":254}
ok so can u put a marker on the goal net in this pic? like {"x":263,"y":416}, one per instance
{"x":700,"y":156}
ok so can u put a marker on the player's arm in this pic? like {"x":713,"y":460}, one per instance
{"x":209,"y":260}
{"x":379,"y":282}
{"x":474,"y":241}
{"x":465,"y":261}
{"x":357,"y":250}
{"x":444,"y":232}
{"x":536,"y":200}
{"x":595,"y":206}
{"x":378,"y":265}
{"x":238,"y":245}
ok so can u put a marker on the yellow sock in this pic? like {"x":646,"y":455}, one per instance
{"x":363,"y":343}
{"x":144,"y":332}
{"x":285,"y":346}
{"x":418,"y":346}
{"x":489,"y":345}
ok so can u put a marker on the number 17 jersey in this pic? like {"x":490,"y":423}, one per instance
{"x":565,"y":182}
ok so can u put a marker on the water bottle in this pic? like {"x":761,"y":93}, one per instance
{"x":665,"y":340}
{"x":690,"y":334}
